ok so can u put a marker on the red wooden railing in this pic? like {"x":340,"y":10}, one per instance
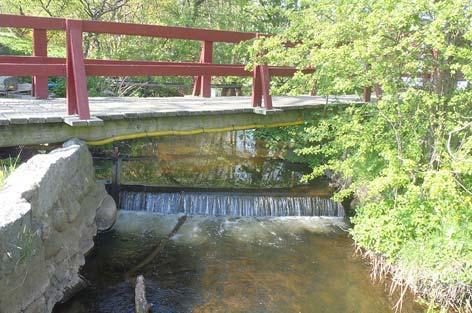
{"x":76,"y":68}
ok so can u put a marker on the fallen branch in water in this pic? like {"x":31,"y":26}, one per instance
{"x":140,"y":302}
{"x":157,"y":250}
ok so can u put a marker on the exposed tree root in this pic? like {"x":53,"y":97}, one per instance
{"x":452,"y":297}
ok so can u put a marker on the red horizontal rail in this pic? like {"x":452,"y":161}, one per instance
{"x":15,"y":69}
{"x":55,"y":60}
{"x":164,"y":70}
{"x":76,"y":68}
{"x":171,"y":32}
{"x":20,"y":21}
{"x":153,"y":68}
{"x":113,"y":67}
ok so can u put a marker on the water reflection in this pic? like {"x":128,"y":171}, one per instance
{"x":224,"y":159}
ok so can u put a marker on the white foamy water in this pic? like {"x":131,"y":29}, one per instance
{"x":229,"y":204}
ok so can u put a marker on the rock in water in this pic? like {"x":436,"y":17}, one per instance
{"x":106,"y":214}
{"x":140,"y":302}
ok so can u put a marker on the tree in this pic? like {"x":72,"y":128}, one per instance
{"x":406,"y":156}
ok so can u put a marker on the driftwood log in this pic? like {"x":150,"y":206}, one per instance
{"x":140,"y":302}
{"x":157,"y":249}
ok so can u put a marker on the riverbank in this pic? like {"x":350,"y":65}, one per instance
{"x":411,"y":220}
{"x":437,"y":296}
{"x":419,"y":248}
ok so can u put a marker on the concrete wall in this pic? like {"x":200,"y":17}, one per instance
{"x":47,"y":223}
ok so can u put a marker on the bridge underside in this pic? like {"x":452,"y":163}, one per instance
{"x":29,"y":121}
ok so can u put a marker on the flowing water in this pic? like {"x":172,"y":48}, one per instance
{"x":255,"y":240}
{"x":229,"y":204}
{"x":224,"y":264}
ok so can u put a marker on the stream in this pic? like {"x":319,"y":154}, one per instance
{"x":255,"y":239}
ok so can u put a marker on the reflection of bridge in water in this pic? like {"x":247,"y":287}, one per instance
{"x":223,"y":159}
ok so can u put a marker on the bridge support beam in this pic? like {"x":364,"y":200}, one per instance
{"x":166,"y":125}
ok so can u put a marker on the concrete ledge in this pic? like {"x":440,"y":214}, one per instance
{"x":20,"y":120}
{"x":264,"y":111}
{"x":114,"y":129}
{"x":76,"y":121}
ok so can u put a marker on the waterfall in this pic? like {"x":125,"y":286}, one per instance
{"x":228,"y":204}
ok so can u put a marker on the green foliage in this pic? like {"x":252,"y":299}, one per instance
{"x":406,"y":157}
{"x":282,"y":141}
{"x":10,"y":44}
{"x":15,"y":44}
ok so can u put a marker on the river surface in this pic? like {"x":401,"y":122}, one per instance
{"x":247,"y":244}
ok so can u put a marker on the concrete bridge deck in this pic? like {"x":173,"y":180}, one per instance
{"x":31,"y":121}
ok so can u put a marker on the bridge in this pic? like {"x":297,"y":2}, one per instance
{"x":24,"y":122}
{"x":100,"y":120}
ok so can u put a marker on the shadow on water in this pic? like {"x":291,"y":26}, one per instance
{"x":274,"y":259}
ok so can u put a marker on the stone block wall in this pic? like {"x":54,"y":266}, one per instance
{"x":47,"y":224}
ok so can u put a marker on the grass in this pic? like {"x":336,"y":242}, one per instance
{"x":7,"y":166}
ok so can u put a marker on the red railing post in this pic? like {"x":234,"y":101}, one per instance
{"x":77,"y":95}
{"x":256,"y":87}
{"x":206,"y":57}
{"x":70,"y":88}
{"x":40,"y":49}
{"x":197,"y":85}
{"x":265,"y":84}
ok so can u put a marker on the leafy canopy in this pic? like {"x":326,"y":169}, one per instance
{"x":406,"y":157}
